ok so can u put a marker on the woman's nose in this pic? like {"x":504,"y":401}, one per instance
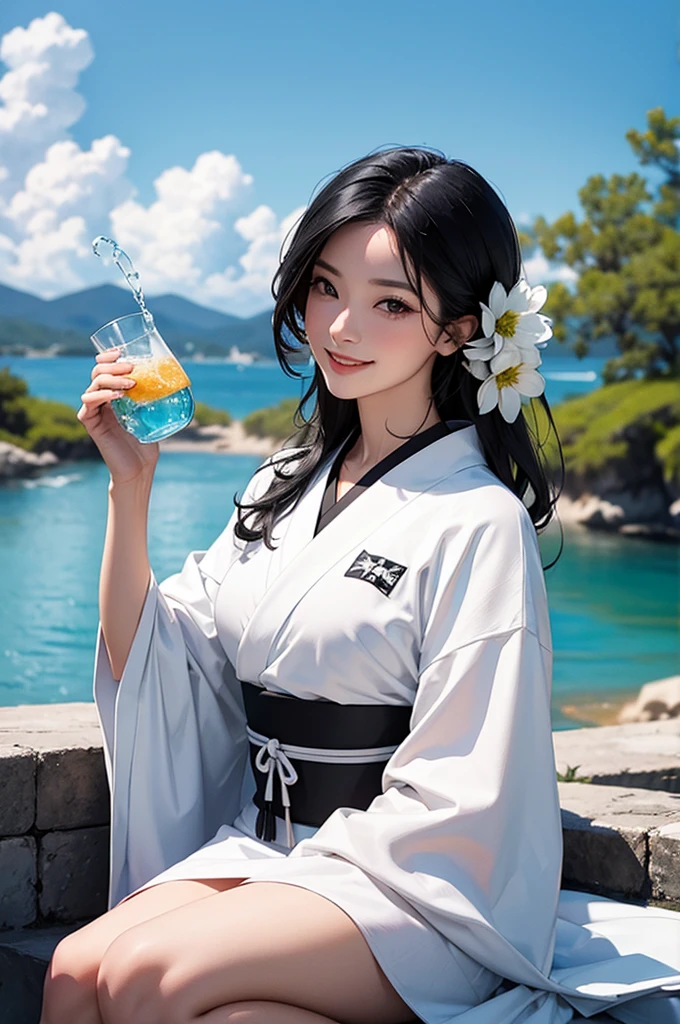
{"x":345,"y":327}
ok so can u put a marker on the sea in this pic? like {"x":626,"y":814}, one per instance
{"x":613,"y":601}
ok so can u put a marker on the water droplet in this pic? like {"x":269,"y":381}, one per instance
{"x":104,"y":247}
{"x":109,"y":250}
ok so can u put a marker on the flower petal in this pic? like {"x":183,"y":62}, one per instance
{"x":499,"y":343}
{"x":487,"y":396}
{"x":479,"y":369}
{"x":488,"y":321}
{"x":530,"y":382}
{"x":531,"y":357}
{"x":498,"y":300}
{"x":537,"y":297}
{"x":509,"y":404}
{"x":532,"y":324}
{"x":476,"y":354}
{"x":518,"y":299}
{"x":509,"y":356}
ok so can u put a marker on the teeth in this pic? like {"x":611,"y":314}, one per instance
{"x":346,"y":362}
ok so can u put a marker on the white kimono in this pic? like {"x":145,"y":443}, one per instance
{"x":453,"y":872}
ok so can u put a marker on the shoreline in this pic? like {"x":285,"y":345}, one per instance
{"x":231,"y":440}
{"x":589,"y":711}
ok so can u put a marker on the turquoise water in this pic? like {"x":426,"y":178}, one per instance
{"x":240,"y":389}
{"x":153,"y":421}
{"x":613,"y":602}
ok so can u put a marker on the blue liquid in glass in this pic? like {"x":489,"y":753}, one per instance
{"x":153,"y":421}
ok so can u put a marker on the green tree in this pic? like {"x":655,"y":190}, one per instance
{"x":626,"y":253}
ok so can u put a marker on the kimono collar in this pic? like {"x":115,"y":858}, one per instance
{"x":301,"y":558}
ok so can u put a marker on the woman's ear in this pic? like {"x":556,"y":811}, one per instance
{"x":457,"y":334}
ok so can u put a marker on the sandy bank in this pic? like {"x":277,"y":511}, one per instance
{"x":232,"y":440}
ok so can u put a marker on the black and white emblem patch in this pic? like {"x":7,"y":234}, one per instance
{"x":377,"y":570}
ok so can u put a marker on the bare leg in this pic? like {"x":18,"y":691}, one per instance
{"x":261,"y":941}
{"x":69,"y":993}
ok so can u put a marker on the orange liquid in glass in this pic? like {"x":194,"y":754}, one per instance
{"x":156,"y":378}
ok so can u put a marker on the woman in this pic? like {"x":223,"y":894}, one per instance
{"x":382,"y":843}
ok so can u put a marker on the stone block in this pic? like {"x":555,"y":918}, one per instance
{"x":72,"y":791}
{"x":606,"y":836}
{"x":640,"y":755}
{"x":50,"y":726}
{"x":18,"y":877}
{"x":73,"y":867}
{"x":604,"y":860}
{"x":664,"y":861}
{"x":17,"y":786}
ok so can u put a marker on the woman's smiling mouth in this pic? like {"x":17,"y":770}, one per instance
{"x":341,"y":365}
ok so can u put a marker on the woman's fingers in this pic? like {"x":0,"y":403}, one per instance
{"x":109,"y":380}
{"x":100,"y":395}
{"x":110,"y":367}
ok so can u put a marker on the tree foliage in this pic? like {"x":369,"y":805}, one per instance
{"x":626,"y":255}
{"x":37,"y":424}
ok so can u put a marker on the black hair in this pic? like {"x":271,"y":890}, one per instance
{"x":458,"y":235}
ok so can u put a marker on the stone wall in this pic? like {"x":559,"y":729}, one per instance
{"x":54,"y":814}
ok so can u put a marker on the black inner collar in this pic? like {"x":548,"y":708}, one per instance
{"x":330,"y":508}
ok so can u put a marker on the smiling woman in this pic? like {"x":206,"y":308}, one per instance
{"x":383,"y":843}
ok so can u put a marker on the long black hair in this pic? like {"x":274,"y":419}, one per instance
{"x":459,"y":236}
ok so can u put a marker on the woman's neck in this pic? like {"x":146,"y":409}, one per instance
{"x":375,"y":442}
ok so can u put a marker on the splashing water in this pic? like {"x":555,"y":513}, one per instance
{"x":109,"y":250}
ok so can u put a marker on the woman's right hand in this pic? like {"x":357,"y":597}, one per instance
{"x":126,"y":457}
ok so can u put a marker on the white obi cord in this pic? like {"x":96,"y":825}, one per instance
{"x":273,"y":756}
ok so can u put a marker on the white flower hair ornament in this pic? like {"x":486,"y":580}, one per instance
{"x":505,"y":359}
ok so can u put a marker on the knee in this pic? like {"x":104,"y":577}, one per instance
{"x":69,"y":984}
{"x":134,"y":986}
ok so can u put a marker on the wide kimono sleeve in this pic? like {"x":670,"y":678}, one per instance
{"x":467,"y":829}
{"x":173,"y":726}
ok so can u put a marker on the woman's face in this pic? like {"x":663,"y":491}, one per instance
{"x":361,"y":307}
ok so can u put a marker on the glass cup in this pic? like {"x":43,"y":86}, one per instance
{"x":161,"y":402}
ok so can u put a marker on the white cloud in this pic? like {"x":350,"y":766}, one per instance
{"x":539,"y":270}
{"x":198,"y":238}
{"x":39,"y":101}
{"x":50,"y":257}
{"x":178,"y":238}
{"x":268,"y":240}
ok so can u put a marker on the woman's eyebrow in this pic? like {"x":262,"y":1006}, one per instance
{"x":383,"y":282}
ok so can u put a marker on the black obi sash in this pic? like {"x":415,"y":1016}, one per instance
{"x":310,"y":757}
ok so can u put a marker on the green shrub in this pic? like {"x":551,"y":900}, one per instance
{"x":37,"y":424}
{"x":668,"y":453}
{"x":206,"y":416}
{"x":275,"y":421}
{"x":594,"y":428}
{"x":14,"y":439}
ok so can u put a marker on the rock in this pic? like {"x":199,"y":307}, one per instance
{"x":674,"y":512}
{"x":656,"y":700}
{"x":17,"y":462}
{"x":631,"y":515}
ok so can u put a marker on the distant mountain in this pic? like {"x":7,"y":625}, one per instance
{"x":21,"y":304}
{"x":89,"y":309}
{"x":68,"y":322}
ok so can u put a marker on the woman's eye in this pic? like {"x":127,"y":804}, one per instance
{"x":324,"y":281}
{"x":401,"y":307}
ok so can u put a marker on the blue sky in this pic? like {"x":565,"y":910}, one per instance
{"x":536,"y":96}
